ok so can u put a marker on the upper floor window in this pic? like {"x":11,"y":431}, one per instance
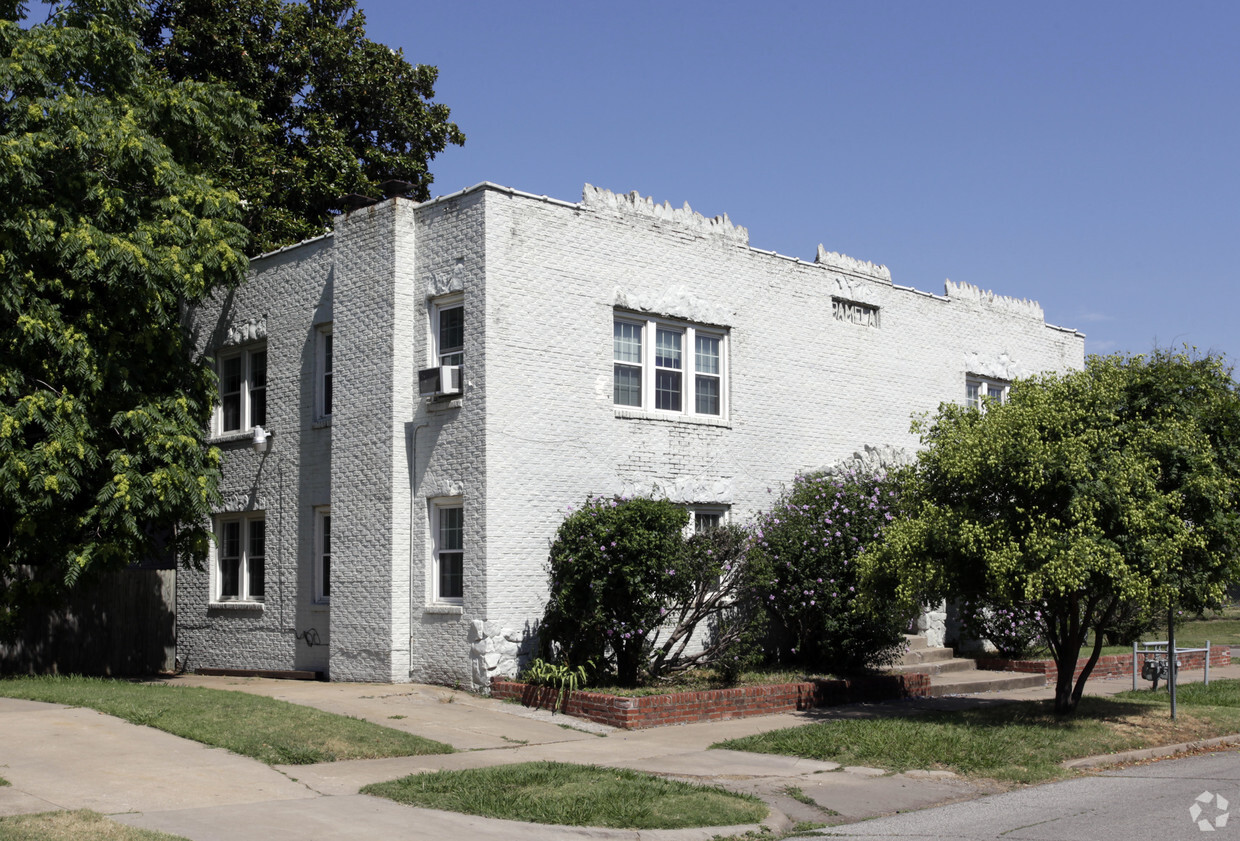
{"x":241,"y":551}
{"x":448,"y":330}
{"x":978,"y":391}
{"x":243,"y":389}
{"x":669,"y":366}
{"x":323,"y":388}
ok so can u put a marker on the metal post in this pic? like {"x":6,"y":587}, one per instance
{"x":1171,"y":657}
{"x":1207,"y":662}
{"x":1134,"y":667}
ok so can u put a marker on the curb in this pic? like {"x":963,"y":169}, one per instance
{"x":1149,"y":753}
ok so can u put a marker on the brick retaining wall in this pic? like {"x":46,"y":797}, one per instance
{"x":1110,"y":665}
{"x":635,"y":713}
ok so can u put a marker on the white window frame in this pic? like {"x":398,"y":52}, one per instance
{"x":323,"y":362}
{"x":322,"y":554}
{"x":648,"y":332}
{"x":249,"y":528}
{"x":439,"y":355}
{"x":698,"y":512}
{"x":250,"y":413}
{"x":441,"y":553}
{"x":979,"y":390}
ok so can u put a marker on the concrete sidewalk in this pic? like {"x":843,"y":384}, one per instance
{"x":64,"y":758}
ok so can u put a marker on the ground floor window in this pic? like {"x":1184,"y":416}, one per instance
{"x":703,"y":518}
{"x":241,"y":557}
{"x":978,"y":391}
{"x":448,"y":550}
{"x":323,"y":555}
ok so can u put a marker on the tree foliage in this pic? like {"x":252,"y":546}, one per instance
{"x":109,"y":230}
{"x":1087,"y":499}
{"x":340,"y":113}
{"x":803,"y":567}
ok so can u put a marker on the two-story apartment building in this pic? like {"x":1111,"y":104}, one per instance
{"x":440,"y":381}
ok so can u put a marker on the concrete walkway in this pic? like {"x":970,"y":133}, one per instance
{"x":63,"y":758}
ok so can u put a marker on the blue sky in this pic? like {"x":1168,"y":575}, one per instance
{"x":1083,"y":154}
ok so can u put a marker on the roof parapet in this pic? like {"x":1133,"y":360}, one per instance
{"x":1017,"y":306}
{"x":597,"y":198}
{"x":851,"y":265}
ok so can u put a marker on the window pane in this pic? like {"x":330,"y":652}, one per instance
{"x":327,"y":374}
{"x":628,"y":342}
{"x":327,"y":555}
{"x":667,"y":349}
{"x":452,"y":336}
{"x":706,"y":520}
{"x":628,"y":385}
{"x":972,"y":392}
{"x":707,"y":396}
{"x":230,"y":560}
{"x":451,"y":527}
{"x":451,"y":575}
{"x":230,"y":393}
{"x":707,"y":354}
{"x":994,"y":392}
{"x":258,"y":388}
{"x":256,"y":558}
{"x":667,"y":390}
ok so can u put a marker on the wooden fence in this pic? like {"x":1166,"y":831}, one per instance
{"x":122,"y":624}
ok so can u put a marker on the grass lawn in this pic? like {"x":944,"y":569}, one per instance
{"x":1019,"y":742}
{"x":275,"y":732}
{"x":574,"y":795}
{"x":73,"y":826}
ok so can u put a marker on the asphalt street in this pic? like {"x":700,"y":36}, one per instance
{"x":1149,"y":801}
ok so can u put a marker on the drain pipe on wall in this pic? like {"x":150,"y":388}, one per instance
{"x":413,"y":504}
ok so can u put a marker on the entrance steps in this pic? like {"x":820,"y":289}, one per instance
{"x":952,"y":675}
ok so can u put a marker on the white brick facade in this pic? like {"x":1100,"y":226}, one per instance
{"x":820,"y":360}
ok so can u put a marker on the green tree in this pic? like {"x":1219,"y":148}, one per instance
{"x":1085,"y":500}
{"x":109,"y":231}
{"x":341,"y":114}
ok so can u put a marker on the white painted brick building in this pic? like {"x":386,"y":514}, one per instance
{"x":608,"y":346}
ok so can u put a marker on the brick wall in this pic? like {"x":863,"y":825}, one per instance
{"x":636,"y":713}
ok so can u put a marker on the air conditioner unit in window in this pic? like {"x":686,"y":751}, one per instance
{"x":440,"y":380}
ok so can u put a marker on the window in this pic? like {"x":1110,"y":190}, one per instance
{"x":242,"y":553}
{"x":323,"y":555}
{"x":680,"y":372}
{"x":448,"y":542}
{"x":448,"y":330}
{"x":703,"y":518}
{"x":323,"y":407}
{"x":978,"y":391}
{"x":243,"y":390}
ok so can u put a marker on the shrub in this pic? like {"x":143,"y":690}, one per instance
{"x":803,"y":569}
{"x":616,"y":567}
{"x":1013,"y":631}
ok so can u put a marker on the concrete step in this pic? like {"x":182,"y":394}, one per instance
{"x":914,"y":642}
{"x":969,"y":683}
{"x":927,"y":655}
{"x":936,"y":667}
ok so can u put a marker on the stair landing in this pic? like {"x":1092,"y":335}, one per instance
{"x":952,"y":675}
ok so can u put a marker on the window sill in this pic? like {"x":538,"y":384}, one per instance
{"x":443,"y":405}
{"x":445,"y":609}
{"x":257,"y":607}
{"x":244,"y":435}
{"x":672,"y":417}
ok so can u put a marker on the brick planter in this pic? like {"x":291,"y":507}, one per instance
{"x":1110,"y":665}
{"x":635,"y":713}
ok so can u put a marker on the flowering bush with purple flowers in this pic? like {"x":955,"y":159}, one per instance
{"x":617,"y":567}
{"x":1013,"y":631}
{"x":803,"y":567}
